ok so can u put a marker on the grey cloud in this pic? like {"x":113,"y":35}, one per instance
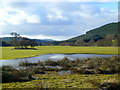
{"x":49,"y":30}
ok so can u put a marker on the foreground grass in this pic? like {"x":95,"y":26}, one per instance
{"x":65,"y":81}
{"x":86,"y":73}
{"x":10,"y":53}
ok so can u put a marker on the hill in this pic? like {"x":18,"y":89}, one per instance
{"x":100,"y":32}
{"x":6,"y":41}
{"x":106,"y":35}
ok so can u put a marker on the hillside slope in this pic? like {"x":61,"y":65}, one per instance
{"x":106,"y":35}
{"x":100,"y":32}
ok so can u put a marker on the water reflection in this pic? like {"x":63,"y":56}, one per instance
{"x":15,"y":62}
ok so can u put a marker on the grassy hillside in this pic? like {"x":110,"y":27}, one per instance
{"x":102,"y":31}
{"x":107,"y":35}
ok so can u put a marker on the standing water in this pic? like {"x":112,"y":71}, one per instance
{"x":15,"y":62}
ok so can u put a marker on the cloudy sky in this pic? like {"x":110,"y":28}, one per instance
{"x":56,"y":20}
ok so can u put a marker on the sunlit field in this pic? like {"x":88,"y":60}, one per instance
{"x":11,"y":53}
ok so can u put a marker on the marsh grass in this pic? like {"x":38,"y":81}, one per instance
{"x":66,"y":81}
{"x":27,"y":63}
{"x":10,"y":74}
{"x":87,"y":73}
{"x":82,"y":66}
{"x":15,"y":76}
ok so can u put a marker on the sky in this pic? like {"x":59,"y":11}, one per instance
{"x":57,"y":20}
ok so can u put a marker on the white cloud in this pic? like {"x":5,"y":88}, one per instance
{"x":16,"y":16}
{"x":55,"y":14}
{"x":58,"y":38}
{"x":88,"y":13}
{"x":33,"y":19}
{"x":15,"y":19}
{"x":2,"y":23}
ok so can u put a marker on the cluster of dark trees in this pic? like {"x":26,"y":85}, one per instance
{"x":20,"y":42}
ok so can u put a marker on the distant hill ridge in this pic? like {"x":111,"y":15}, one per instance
{"x":102,"y":31}
{"x":106,"y":35}
{"x":6,"y":41}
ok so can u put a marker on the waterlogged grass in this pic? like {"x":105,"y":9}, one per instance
{"x":11,"y":53}
{"x":81,"y":76}
{"x":65,"y":81}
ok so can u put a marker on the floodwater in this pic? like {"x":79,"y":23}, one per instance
{"x":15,"y":62}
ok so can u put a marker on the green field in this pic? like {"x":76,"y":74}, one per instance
{"x":65,"y":81}
{"x":11,"y":53}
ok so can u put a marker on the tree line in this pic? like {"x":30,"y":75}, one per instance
{"x":20,"y":42}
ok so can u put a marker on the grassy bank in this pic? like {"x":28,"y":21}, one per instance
{"x":10,"y":53}
{"x":65,"y":81}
